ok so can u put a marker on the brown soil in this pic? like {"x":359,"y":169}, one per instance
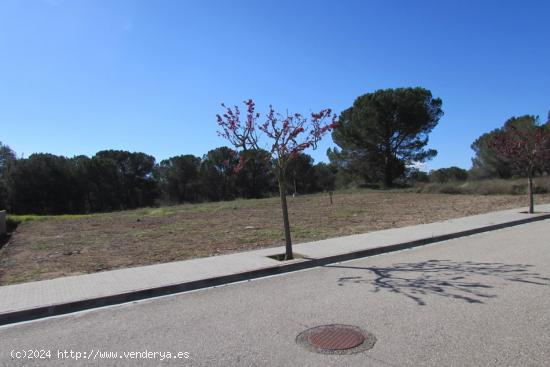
{"x":61,"y":246}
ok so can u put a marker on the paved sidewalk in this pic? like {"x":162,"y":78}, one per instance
{"x":57,"y":296}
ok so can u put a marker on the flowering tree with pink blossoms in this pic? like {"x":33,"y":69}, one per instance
{"x":526,"y":146}
{"x":288,"y":135}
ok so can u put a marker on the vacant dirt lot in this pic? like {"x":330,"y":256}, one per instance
{"x":66,"y":245}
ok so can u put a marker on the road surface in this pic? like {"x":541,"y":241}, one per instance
{"x":482,"y":300}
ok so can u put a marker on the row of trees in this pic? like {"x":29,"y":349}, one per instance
{"x":381,"y":138}
{"x":115,"y":180}
{"x":441,"y":175}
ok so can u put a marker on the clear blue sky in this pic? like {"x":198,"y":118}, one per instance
{"x":79,"y":76}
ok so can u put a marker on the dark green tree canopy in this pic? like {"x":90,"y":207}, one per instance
{"x":325,"y":177}
{"x":218,"y":173}
{"x":444,"y":175}
{"x":415,"y":175}
{"x":116,"y":179}
{"x":135,"y":176}
{"x":486,"y":163}
{"x":41,"y":184}
{"x":7,"y":158}
{"x":388,"y":129}
{"x":300,"y":174}
{"x":255,"y":174}
{"x":179,"y":178}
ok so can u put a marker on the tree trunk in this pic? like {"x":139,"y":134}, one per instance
{"x":530,"y":192}
{"x":388,"y":177}
{"x":388,"y":174}
{"x":288,"y":240}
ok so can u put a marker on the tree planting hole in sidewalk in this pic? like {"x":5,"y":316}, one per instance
{"x":282,"y":257}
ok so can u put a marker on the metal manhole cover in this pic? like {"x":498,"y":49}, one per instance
{"x":336,"y":339}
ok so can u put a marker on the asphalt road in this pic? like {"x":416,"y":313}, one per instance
{"x":482,"y":300}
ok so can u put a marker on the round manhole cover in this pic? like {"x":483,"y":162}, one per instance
{"x":336,"y":339}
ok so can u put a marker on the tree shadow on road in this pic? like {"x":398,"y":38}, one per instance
{"x":457,"y":280}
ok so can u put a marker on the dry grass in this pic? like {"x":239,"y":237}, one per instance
{"x":45,"y":248}
{"x":487,"y":187}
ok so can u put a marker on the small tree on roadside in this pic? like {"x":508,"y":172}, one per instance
{"x":326,"y":178}
{"x":526,"y":146}
{"x":288,"y":134}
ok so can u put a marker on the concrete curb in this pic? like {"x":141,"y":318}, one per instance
{"x":70,"y":307}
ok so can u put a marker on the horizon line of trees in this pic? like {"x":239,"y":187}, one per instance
{"x":118,"y":180}
{"x":381,"y":138}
